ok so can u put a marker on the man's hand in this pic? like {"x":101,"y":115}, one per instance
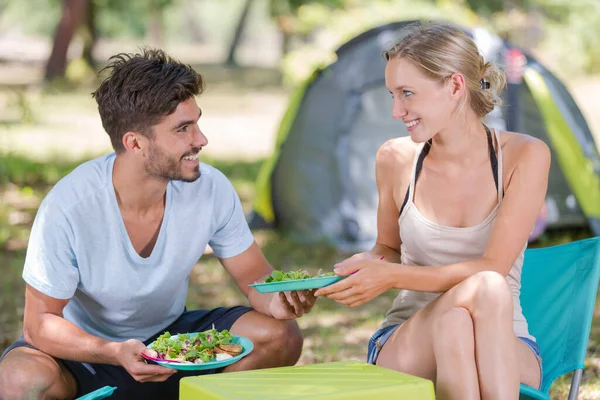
{"x":129,"y":356}
{"x":291,"y":305}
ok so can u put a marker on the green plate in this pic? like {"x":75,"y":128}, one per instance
{"x":298,"y":284}
{"x":247,"y":345}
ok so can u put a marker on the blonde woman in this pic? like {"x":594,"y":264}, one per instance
{"x":457,"y":202}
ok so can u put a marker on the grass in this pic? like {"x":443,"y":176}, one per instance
{"x":332,"y":332}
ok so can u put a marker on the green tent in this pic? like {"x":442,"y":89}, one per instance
{"x":320,"y":181}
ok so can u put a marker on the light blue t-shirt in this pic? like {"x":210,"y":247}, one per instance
{"x":79,"y":249}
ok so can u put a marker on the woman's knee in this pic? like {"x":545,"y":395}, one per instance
{"x":492,"y":294}
{"x":455,"y":321}
{"x":452,"y":332}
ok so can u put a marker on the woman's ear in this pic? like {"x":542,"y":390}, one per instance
{"x":458,"y":86}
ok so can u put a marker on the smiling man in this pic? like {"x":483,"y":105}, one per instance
{"x":113,"y":244}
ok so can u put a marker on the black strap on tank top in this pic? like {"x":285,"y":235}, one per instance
{"x":427,"y":147}
{"x":493,"y":156}
{"x":418,"y":167}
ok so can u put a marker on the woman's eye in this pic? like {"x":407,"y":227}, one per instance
{"x":407,"y":93}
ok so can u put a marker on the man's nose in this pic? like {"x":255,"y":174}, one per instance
{"x":200,"y":140}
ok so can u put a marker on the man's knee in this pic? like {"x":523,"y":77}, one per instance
{"x":28,"y":376}
{"x":19,"y":382}
{"x":286,"y":338}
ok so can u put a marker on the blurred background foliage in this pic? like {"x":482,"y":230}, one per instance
{"x":565,"y":34}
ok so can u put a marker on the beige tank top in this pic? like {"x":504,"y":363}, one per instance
{"x":426,"y":243}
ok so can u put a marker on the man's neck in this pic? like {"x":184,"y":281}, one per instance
{"x":136,"y":191}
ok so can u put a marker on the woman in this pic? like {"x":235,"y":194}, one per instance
{"x":457,"y":202}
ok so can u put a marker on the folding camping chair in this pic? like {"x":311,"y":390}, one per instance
{"x":558,"y":293}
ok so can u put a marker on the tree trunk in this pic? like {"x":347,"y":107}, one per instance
{"x":90,"y":35}
{"x":155,"y":24}
{"x":237,"y":36}
{"x":155,"y":29}
{"x":72,"y":16}
{"x":286,"y":25}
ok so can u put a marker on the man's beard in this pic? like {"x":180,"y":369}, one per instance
{"x":162,"y":166}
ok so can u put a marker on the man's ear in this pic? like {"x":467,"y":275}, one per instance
{"x":134,"y":142}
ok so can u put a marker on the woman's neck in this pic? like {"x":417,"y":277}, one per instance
{"x":455,"y":144}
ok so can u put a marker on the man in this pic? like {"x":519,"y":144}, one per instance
{"x":113,"y":244}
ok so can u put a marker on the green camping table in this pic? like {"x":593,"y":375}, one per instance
{"x":346,"y":380}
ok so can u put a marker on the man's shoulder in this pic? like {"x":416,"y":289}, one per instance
{"x":84,"y":182}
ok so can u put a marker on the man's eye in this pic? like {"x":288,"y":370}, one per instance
{"x":183,"y":129}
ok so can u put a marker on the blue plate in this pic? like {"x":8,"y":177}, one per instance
{"x":101,"y":393}
{"x":298,"y":284}
{"x":247,"y":345}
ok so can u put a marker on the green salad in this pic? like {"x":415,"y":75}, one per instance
{"x":196,"y":348}
{"x":280,"y":276}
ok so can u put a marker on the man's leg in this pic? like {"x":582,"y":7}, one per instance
{"x":26,"y":373}
{"x":276,"y":343}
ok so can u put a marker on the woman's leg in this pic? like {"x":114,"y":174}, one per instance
{"x":464,"y":341}
{"x":454,"y":353}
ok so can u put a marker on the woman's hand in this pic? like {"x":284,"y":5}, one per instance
{"x":366,"y":279}
{"x":356,"y":258}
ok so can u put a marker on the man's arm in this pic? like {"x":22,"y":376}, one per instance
{"x":45,"y":328}
{"x":251,"y":266}
{"x":234,"y":245}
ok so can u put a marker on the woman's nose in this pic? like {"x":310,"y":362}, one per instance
{"x":398,"y":110}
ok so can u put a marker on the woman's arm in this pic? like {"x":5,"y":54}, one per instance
{"x":524,"y":196}
{"x":393,"y":164}
{"x":523,"y":200}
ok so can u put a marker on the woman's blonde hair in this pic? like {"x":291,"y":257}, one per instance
{"x":441,"y":50}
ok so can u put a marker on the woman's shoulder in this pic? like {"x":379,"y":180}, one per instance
{"x":397,"y":153}
{"x":519,"y":147}
{"x":524,"y":153}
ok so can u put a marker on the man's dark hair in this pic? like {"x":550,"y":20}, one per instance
{"x":140,"y":90}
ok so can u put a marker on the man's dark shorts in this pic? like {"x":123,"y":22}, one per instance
{"x":90,"y":377}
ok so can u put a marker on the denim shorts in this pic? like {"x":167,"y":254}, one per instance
{"x":381,"y":336}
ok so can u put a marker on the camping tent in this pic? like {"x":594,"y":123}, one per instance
{"x":320,"y":182}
